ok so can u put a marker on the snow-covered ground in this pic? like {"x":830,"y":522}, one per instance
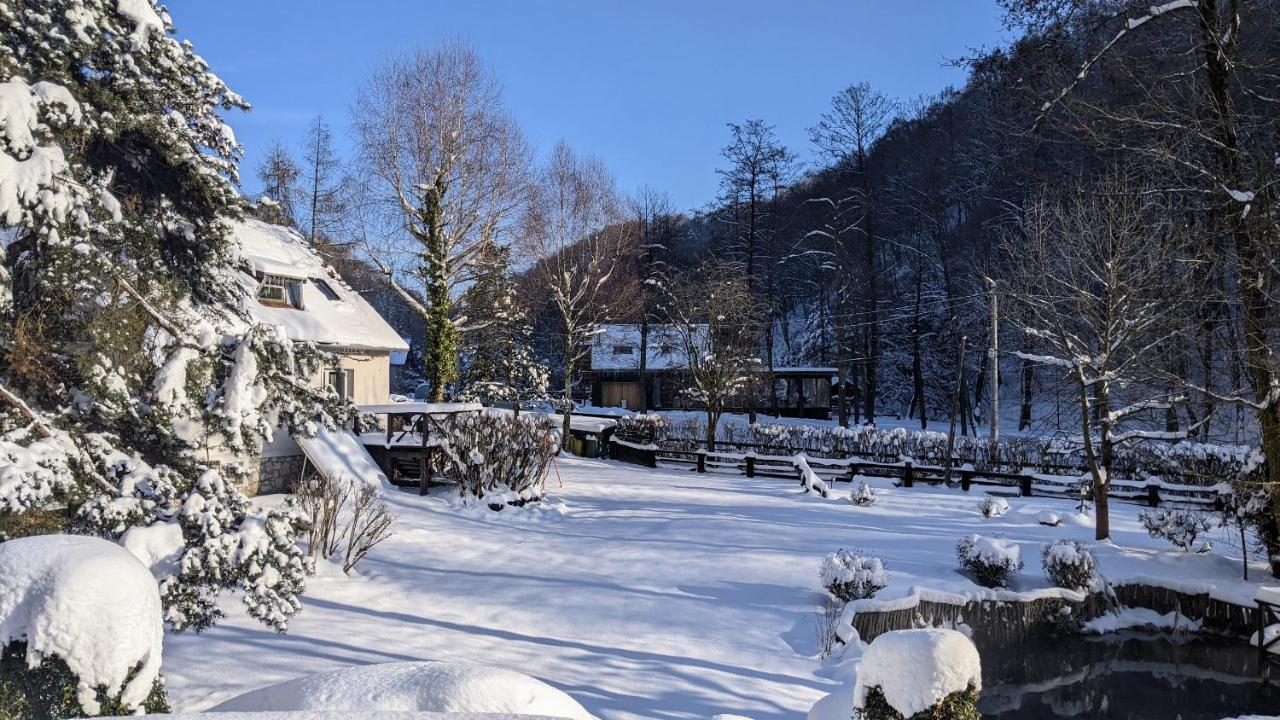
{"x":642,"y":593}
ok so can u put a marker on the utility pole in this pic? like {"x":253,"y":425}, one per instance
{"x":993,"y":365}
{"x":955,"y":409}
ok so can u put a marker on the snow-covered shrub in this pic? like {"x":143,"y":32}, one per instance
{"x":347,"y":517}
{"x":1180,"y":527}
{"x":80,"y":629}
{"x":1069,"y":564}
{"x":501,"y":456}
{"x":991,"y":506}
{"x":918,"y":675}
{"x":421,"y":686}
{"x":989,"y":560}
{"x":862,"y":495}
{"x":849,"y":575}
{"x":641,"y":429}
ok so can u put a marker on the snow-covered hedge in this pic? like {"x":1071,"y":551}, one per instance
{"x":414,"y":687}
{"x":1069,"y":564}
{"x":918,"y":675}
{"x":989,"y":560}
{"x":1180,"y":527}
{"x":80,"y":628}
{"x":501,"y":458}
{"x":849,"y":575}
{"x":1183,"y":462}
{"x":641,"y":429}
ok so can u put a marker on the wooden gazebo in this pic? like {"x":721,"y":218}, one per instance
{"x":413,"y":437}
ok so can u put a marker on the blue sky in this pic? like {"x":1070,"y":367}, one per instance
{"x":647,"y":85}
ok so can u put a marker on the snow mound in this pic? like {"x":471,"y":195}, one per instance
{"x":158,"y":546}
{"x":346,"y":715}
{"x":1269,"y":633}
{"x":91,"y":603}
{"x":1052,"y":519}
{"x":415,"y":686}
{"x":917,"y":668}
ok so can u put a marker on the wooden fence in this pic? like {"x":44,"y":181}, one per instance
{"x":1062,"y":481}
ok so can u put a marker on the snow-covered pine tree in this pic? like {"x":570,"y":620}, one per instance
{"x":498,"y":363}
{"x":126,"y":354}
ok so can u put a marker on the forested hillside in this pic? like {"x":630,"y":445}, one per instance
{"x":878,"y":261}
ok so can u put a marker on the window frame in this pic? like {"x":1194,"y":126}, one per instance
{"x":345,"y":381}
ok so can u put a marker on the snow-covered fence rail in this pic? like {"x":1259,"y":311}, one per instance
{"x":768,"y":460}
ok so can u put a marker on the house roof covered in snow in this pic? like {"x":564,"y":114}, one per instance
{"x":617,"y":347}
{"x":317,"y":306}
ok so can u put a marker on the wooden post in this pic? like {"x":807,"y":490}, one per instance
{"x":909,"y":476}
{"x":1153,"y":496}
{"x":424,"y":473}
{"x":965,"y":478}
{"x":750,"y":465}
{"x":702,"y":460}
{"x":1025,"y":480}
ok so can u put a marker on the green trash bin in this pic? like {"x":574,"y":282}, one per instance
{"x":591,"y":447}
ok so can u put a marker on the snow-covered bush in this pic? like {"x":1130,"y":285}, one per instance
{"x":641,"y":429}
{"x":500,"y":457}
{"x":849,"y":575}
{"x":991,"y":506}
{"x":80,"y":629}
{"x":918,"y":675}
{"x":1180,"y":527}
{"x":347,"y":517}
{"x":989,"y":560}
{"x":434,"y":687}
{"x":862,"y":495}
{"x":1069,"y":564}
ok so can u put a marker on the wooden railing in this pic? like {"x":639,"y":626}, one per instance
{"x":1052,"y":480}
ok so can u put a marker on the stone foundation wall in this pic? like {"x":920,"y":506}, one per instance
{"x":277,"y":474}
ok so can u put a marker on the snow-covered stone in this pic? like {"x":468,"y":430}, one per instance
{"x":917,"y":668}
{"x":415,"y":686}
{"x":90,"y":603}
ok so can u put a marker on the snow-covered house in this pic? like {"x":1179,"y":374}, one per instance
{"x":296,"y":290}
{"x":613,"y":374}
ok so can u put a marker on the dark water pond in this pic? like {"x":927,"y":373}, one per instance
{"x":1127,"y":676}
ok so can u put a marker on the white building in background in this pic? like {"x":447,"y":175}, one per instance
{"x":296,"y":290}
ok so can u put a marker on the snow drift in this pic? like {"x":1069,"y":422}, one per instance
{"x":415,"y":686}
{"x":89,"y":602}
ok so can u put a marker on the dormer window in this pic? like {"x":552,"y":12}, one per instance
{"x":325,"y":289}
{"x":279,"y":291}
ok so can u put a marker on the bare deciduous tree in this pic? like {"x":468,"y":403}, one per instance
{"x":574,"y":230}
{"x":1098,"y":297}
{"x":445,"y":161}
{"x":858,"y":118}
{"x":713,"y":318}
